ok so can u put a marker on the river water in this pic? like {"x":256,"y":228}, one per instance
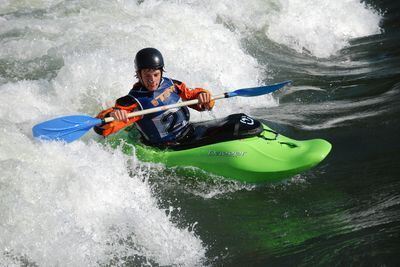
{"x":85,"y":204}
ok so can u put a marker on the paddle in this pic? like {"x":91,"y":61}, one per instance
{"x":70,"y":128}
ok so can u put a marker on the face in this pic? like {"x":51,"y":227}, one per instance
{"x":151,"y":78}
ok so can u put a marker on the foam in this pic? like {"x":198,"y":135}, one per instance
{"x":317,"y":28}
{"x":321,"y":28}
{"x":77,"y":205}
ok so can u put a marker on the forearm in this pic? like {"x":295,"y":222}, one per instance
{"x":188,"y":94}
{"x":119,"y":112}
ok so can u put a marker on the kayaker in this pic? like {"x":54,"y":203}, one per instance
{"x":153,"y":90}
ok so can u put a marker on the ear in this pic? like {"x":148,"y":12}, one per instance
{"x":139,"y":76}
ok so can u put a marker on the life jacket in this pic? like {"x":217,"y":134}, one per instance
{"x":162,"y":126}
{"x":154,"y":127}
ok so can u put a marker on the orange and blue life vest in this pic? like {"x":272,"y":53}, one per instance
{"x":162,"y":126}
{"x":156,"y":128}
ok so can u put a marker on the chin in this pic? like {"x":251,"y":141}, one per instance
{"x":152,"y":88}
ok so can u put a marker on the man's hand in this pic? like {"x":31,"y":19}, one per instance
{"x":120,"y":115}
{"x":205,"y":101}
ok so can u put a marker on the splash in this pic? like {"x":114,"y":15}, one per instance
{"x":321,"y":28}
{"x":77,"y":205}
{"x":317,"y":28}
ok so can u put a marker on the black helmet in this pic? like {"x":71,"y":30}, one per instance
{"x":149,"y":58}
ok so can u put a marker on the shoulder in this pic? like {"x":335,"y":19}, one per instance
{"x":176,"y":82}
{"x":180,"y":86}
{"x":171,"y":80}
{"x":138,"y":90}
{"x":125,"y":101}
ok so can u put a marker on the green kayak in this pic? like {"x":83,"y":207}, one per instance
{"x":254,"y":154}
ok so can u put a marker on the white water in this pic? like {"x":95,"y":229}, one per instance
{"x":321,"y":28}
{"x":77,"y":204}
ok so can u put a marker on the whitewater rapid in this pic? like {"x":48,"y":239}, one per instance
{"x":84,"y":204}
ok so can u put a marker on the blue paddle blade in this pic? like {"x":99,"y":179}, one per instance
{"x":68,"y":128}
{"x":256,"y":91}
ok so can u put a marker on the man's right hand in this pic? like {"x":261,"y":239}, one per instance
{"x":120,"y":115}
{"x":205,"y":100}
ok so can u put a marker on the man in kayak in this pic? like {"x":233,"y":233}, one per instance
{"x":153,"y":90}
